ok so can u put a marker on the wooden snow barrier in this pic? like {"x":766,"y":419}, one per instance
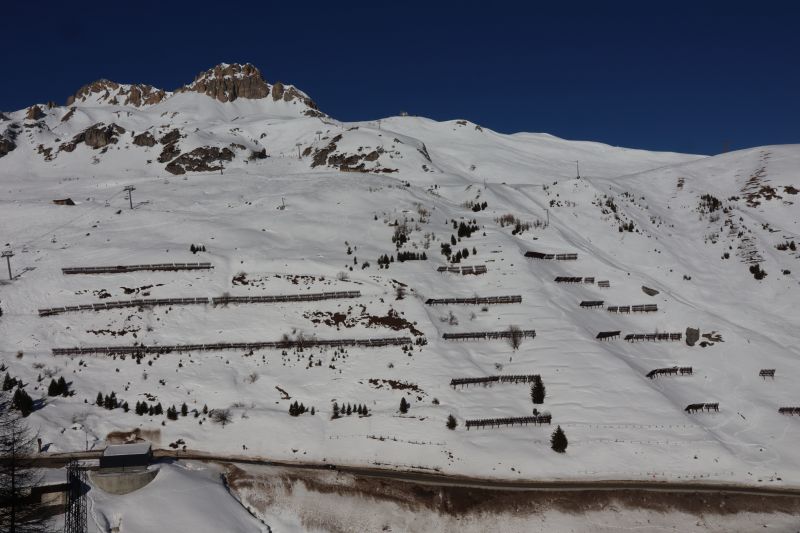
{"x":588,"y":280}
{"x":167,"y":348}
{"x":464,"y":270}
{"x":592,"y":304}
{"x":310,"y":297}
{"x":523,"y":333}
{"x":133,"y":268}
{"x":569,"y":279}
{"x":604,"y":335}
{"x":510,"y":421}
{"x":789,"y":410}
{"x":489,"y":380}
{"x":125,"y":303}
{"x":557,"y":257}
{"x":693,"y":407}
{"x":605,"y":284}
{"x":475,"y":300}
{"x":670,"y":371}
{"x":646,"y":308}
{"x":633,"y":337}
{"x":767,"y":373}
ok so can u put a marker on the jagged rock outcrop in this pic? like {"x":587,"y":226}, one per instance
{"x":144,"y":139}
{"x":113,"y":93}
{"x":226,"y":83}
{"x":200,"y":160}
{"x":6,"y":146}
{"x":34,"y":113}
{"x":170,"y":142}
{"x":95,"y":136}
{"x":346,"y":162}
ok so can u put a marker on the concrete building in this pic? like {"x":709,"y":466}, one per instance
{"x":125,"y":457}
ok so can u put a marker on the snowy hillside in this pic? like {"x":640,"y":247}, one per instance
{"x":282,"y":199}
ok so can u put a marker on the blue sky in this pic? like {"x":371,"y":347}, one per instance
{"x":691,"y":77}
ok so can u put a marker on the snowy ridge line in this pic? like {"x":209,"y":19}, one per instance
{"x":508,"y":421}
{"x":646,"y":308}
{"x":513,"y":378}
{"x":167,"y":348}
{"x":525,"y":333}
{"x":476,"y":300}
{"x":287,"y":297}
{"x":134,"y":268}
{"x":557,"y":257}
{"x":122,"y":303}
{"x":464,"y":270}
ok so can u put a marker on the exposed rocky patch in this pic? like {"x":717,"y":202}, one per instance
{"x":96,"y":136}
{"x":346,"y":162}
{"x":7,"y":144}
{"x":203,"y":159}
{"x":170,"y":142}
{"x":226,"y":83}
{"x":392,"y":320}
{"x":144,"y":139}
{"x":112,"y":93}
{"x":34,"y":113}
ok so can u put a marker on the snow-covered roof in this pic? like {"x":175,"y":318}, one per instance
{"x":137,"y":448}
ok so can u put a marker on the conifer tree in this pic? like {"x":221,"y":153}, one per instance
{"x":404,"y":405}
{"x":99,"y":400}
{"x":22,"y":402}
{"x":63,"y":387}
{"x":558,"y":441}
{"x":184,"y":409}
{"x":537,"y":390}
{"x":335,"y":410}
{"x":451,"y":422}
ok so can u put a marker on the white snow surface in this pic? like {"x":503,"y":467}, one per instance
{"x":620,"y":424}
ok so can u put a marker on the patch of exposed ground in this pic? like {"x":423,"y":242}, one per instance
{"x":392,"y":319}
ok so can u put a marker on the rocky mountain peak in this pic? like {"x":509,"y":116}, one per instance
{"x":227,"y":82}
{"x":105,"y":91}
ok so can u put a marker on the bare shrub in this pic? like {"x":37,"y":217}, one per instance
{"x":220,"y":416}
{"x":343,"y":276}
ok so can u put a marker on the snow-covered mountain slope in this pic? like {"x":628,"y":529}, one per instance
{"x":286,"y":200}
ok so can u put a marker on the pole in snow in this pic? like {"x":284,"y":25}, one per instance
{"x":8,"y":254}
{"x":578,"y":167}
{"x":298,"y":149}
{"x":130,"y":189}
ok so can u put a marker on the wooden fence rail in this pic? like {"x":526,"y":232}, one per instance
{"x":557,"y":257}
{"x":221,"y":300}
{"x":524,"y":333}
{"x":119,"y":304}
{"x":692,"y":407}
{"x":646,"y":308}
{"x":633,"y":337}
{"x":306,"y":343}
{"x":789,"y":410}
{"x":464,"y":270}
{"x":488,"y":380}
{"x":132,"y":268}
{"x":510,"y":421}
{"x":767,"y":373}
{"x":591,"y":304}
{"x":603,"y":335}
{"x":670,"y":371}
{"x":476,"y":300}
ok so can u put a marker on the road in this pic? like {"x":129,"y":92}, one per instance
{"x":447,"y":480}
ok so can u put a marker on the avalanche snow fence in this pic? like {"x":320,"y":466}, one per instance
{"x":167,"y":348}
{"x":133,"y":268}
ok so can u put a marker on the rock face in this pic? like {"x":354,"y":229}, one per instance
{"x":34,"y":113}
{"x":692,"y":335}
{"x":226,"y":83}
{"x":144,"y":139}
{"x":6,"y":146}
{"x":95,"y":136}
{"x":113,"y":93}
{"x":200,"y":160}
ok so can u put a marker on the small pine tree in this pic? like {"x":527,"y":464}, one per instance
{"x":301,"y":409}
{"x":172,"y":413}
{"x":451,"y":422}
{"x":125,"y":407}
{"x":474,"y":251}
{"x":184,"y":410}
{"x":558,"y":441}
{"x":52,"y":389}
{"x":349,"y":410}
{"x":404,"y":406}
{"x":99,"y":400}
{"x":22,"y":402}
{"x":8,"y":382}
{"x":205,"y":409}
{"x":63,"y":387}
{"x":538,"y":391}
{"x":335,"y":411}
{"x":158,"y":409}
{"x":453,"y":240}
{"x":313,"y":411}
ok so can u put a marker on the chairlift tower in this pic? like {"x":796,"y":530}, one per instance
{"x":75,"y":508}
{"x":130,"y":189}
{"x":8,"y":254}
